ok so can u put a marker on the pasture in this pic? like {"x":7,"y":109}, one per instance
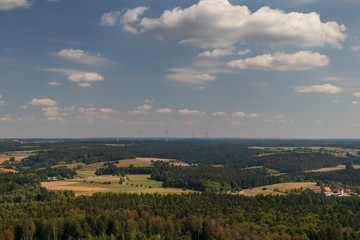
{"x":18,"y":155}
{"x":279,"y":189}
{"x":137,"y":183}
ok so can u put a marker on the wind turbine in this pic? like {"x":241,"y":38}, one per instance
{"x":166,"y":135}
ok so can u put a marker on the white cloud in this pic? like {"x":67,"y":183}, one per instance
{"x":190,"y":78}
{"x":335,"y":101}
{"x":145,"y":107}
{"x":335,"y":79}
{"x":141,"y":110}
{"x":219,"y":114}
{"x":243,"y":52}
{"x":279,"y":61}
{"x":355,"y":102}
{"x":42,"y":102}
{"x":110,"y":18}
{"x":326,"y":88}
{"x":216,"y":53}
{"x":106,"y":110}
{"x":355,"y":48}
{"x":11,"y":4}
{"x":149,"y":101}
{"x":0,"y":96}
{"x":196,"y":113}
{"x":200,"y":88}
{"x":129,"y":17}
{"x":80,"y":77}
{"x":7,"y":118}
{"x":234,"y":122}
{"x":238,"y":114}
{"x":357,"y":94}
{"x":163,"y":110}
{"x":84,"y":79}
{"x":83,"y":57}
{"x":54,"y":83}
{"x":253,"y":115}
{"x":217,"y":23}
{"x":318,"y":121}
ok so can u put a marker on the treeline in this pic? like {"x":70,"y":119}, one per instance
{"x":210,"y":179}
{"x":207,"y":153}
{"x":193,"y":216}
{"x":25,"y":186}
{"x":349,"y":177}
{"x":86,"y":155}
{"x":298,"y":162}
{"x":122,"y":171}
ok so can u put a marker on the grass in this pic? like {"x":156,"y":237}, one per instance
{"x":18,"y":155}
{"x":89,"y":170}
{"x":87,"y":188}
{"x":338,"y":167}
{"x":279,"y":189}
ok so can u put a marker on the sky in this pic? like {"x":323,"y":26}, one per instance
{"x":207,"y":68}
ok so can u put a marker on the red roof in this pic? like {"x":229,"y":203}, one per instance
{"x":327,"y":189}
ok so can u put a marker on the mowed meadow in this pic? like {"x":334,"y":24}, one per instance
{"x":89,"y":183}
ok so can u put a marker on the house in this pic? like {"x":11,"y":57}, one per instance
{"x":52,"y":179}
{"x":327,"y":189}
{"x":317,"y":190}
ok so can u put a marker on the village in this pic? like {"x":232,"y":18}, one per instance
{"x":336,"y":192}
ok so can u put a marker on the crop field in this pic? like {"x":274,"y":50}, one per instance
{"x":336,"y":151}
{"x":137,"y":183}
{"x":18,"y":155}
{"x":89,"y":170}
{"x":279,"y":189}
{"x":338,"y":167}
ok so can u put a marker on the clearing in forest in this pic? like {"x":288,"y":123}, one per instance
{"x":279,"y":189}
{"x":137,"y":183}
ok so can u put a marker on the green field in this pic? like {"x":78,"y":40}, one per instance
{"x":91,"y":185}
{"x":18,"y":155}
{"x":278,"y":189}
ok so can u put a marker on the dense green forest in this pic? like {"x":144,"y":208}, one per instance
{"x":28,"y":211}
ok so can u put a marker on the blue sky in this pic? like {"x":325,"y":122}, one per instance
{"x":132,"y":68}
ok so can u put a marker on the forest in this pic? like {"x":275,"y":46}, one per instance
{"x":215,"y":211}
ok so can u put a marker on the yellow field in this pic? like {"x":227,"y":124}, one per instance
{"x":96,"y":184}
{"x":338,"y":167}
{"x":281,"y":188}
{"x":18,"y":155}
{"x":89,"y":170}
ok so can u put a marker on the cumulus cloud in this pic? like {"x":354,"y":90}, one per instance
{"x":326,"y":88}
{"x":84,"y":79}
{"x":11,"y":4}
{"x":54,"y":84}
{"x":80,"y":56}
{"x":216,"y":53}
{"x":234,"y":122}
{"x":355,"y":48}
{"x":243,"y":52}
{"x":253,"y":115}
{"x":217,"y":23}
{"x":355,"y":102}
{"x":91,"y":114}
{"x":219,"y":114}
{"x":279,"y":61}
{"x":42,"y":102}
{"x":187,"y":112}
{"x":141,"y":110}
{"x":190,"y":78}
{"x":163,"y":110}
{"x":125,"y":19}
{"x":238,"y":114}
{"x":357,"y":94}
